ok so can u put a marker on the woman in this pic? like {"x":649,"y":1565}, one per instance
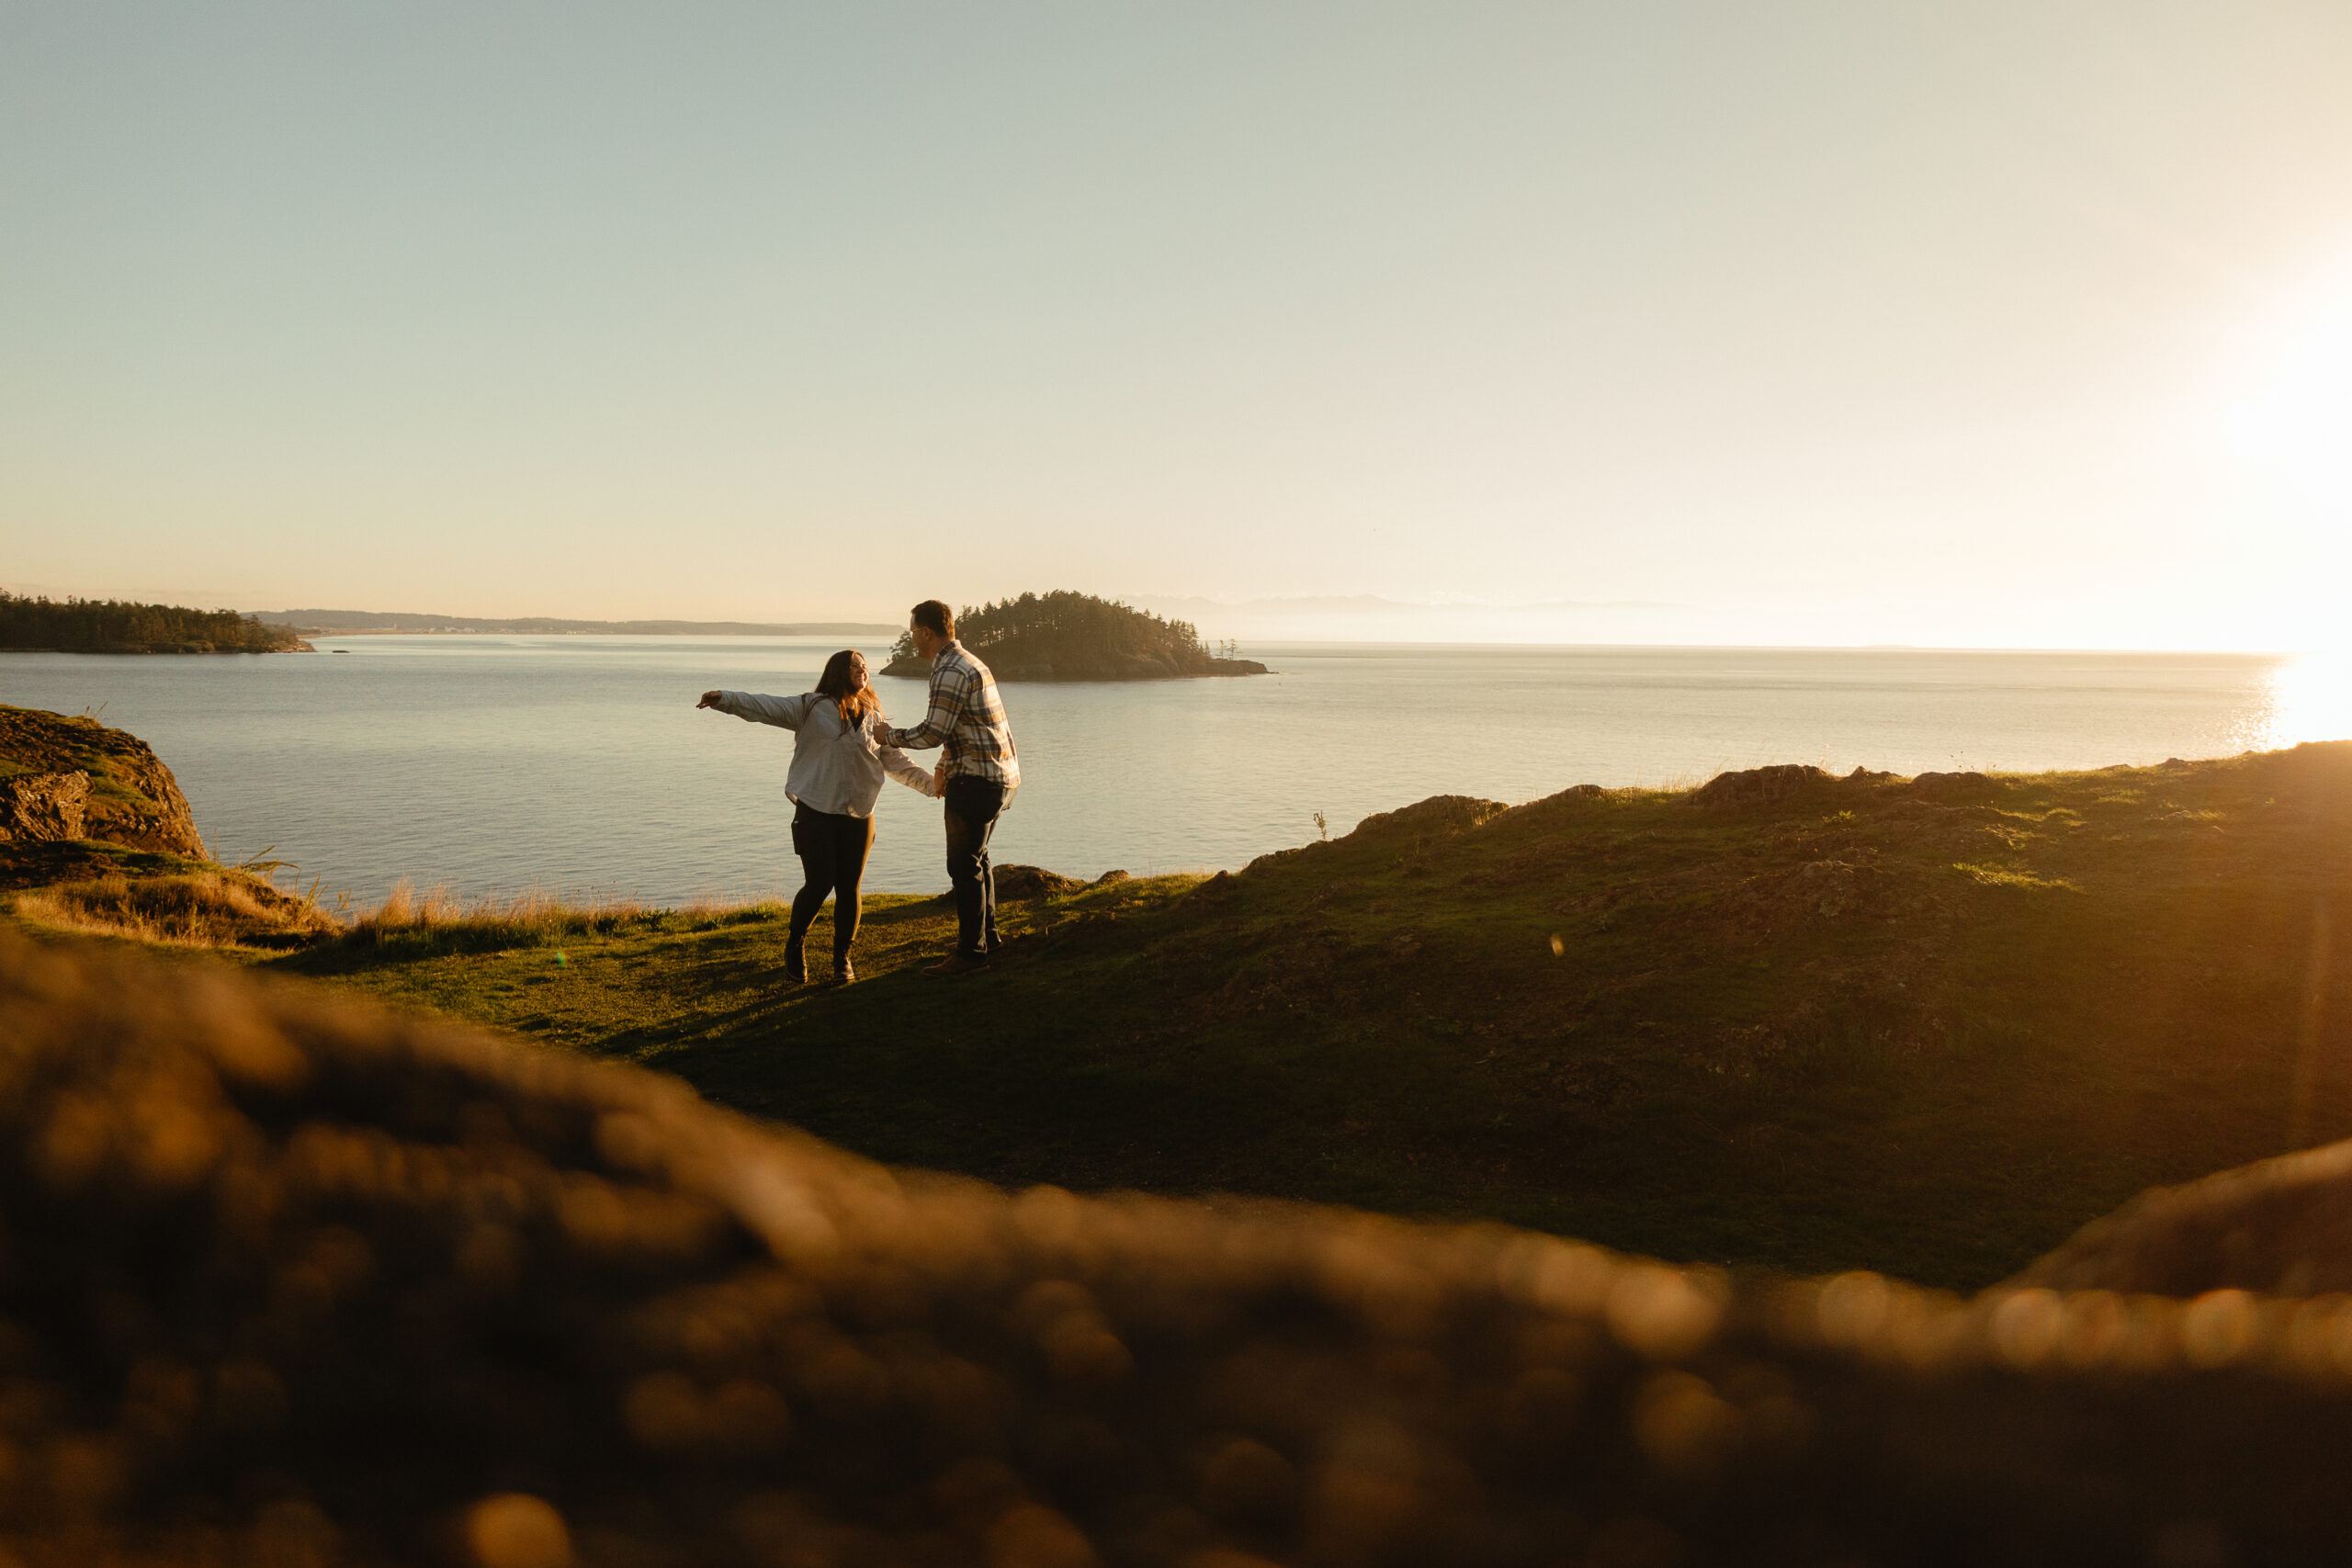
{"x":836,"y":777}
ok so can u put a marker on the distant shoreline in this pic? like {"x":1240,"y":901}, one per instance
{"x":872,"y":631}
{"x":40,"y":625}
{"x":406,"y":623}
{"x":298,"y":645}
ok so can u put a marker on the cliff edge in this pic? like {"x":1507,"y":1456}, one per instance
{"x":63,"y":779}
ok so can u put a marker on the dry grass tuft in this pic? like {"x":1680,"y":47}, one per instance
{"x":193,"y":908}
{"x":439,"y":918}
{"x":438,"y":921}
{"x":217,"y":907}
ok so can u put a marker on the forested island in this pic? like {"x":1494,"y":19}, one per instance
{"x":1076,"y":637}
{"x":119,"y":626}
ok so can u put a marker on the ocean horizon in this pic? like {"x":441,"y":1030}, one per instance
{"x":577,"y":764}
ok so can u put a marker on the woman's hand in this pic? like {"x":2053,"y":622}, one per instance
{"x":709,"y":700}
{"x":939,"y":777}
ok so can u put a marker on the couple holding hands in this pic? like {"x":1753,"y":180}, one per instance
{"x":844,"y":747}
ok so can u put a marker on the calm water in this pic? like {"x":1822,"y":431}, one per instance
{"x":579,"y":764}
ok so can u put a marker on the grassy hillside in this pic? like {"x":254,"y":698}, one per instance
{"x":1926,"y":1027}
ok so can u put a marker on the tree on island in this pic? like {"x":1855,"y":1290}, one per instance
{"x":116,"y":625}
{"x":1076,"y":637}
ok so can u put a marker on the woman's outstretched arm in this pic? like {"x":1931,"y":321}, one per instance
{"x":752,"y":708}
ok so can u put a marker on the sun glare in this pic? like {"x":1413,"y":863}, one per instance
{"x":2295,"y":420}
{"x":2310,"y":699}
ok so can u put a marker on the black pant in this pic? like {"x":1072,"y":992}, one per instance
{"x":973,"y":806}
{"x":832,"y":851}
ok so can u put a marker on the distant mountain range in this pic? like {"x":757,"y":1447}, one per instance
{"x":331,"y":623}
{"x":1365,"y":617}
{"x":1361,"y":603}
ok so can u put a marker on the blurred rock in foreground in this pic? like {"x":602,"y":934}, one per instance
{"x":290,"y":1281}
{"x":2282,"y":1225}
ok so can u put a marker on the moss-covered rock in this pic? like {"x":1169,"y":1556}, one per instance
{"x":133,"y":800}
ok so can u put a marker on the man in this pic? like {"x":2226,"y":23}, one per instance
{"x":981,"y":770}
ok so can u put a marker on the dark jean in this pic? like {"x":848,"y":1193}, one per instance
{"x":833,"y":849}
{"x":973,"y":806}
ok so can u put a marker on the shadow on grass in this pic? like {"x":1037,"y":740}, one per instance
{"x":1804,"y":1032}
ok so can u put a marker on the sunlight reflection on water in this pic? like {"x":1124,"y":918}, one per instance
{"x":579,"y":764}
{"x":2310,"y":699}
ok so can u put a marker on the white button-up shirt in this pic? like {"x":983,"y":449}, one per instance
{"x":834,"y":768}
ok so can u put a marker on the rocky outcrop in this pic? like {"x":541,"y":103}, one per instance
{"x":1759,"y":786}
{"x":1424,"y":822}
{"x":1031,"y":881}
{"x":1785,"y":780}
{"x":1013,"y":882}
{"x":1438,"y":814}
{"x":1951,"y":786}
{"x":131,"y":798}
{"x":44,"y":808}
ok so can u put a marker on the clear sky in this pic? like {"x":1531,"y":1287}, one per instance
{"x":1960,"y":323}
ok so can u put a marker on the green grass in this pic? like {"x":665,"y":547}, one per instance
{"x":1923,"y":1030}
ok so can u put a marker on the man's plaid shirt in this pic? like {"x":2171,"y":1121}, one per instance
{"x":967,"y":717}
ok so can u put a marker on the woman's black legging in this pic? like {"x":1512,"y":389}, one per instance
{"x":832,"y":847}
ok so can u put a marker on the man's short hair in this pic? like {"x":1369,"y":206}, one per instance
{"x":936,"y":616}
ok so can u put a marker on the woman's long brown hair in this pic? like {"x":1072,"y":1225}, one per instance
{"x":845,"y":682}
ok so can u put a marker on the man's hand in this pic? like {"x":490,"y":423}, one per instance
{"x":709,"y":700}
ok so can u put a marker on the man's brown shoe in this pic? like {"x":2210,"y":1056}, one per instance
{"x":956,"y":964}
